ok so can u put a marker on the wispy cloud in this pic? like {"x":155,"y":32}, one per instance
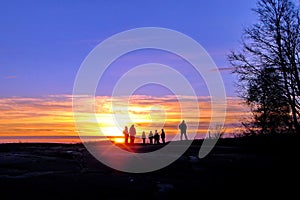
{"x":10,"y":77}
{"x":223,"y":69}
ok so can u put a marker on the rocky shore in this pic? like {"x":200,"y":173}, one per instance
{"x":235,"y":168}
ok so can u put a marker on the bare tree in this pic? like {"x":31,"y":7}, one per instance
{"x":268,"y":66}
{"x":216,"y":132}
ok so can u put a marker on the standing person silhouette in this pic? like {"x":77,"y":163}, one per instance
{"x":163,"y":136}
{"x":132,"y":133}
{"x":150,"y":136}
{"x":183,"y":127}
{"x":126,"y":134}
{"x":144,"y":137}
{"x":156,"y":137}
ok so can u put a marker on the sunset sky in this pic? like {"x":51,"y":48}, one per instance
{"x":43,"y":44}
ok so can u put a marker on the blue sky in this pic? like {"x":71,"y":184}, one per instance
{"x":43,"y":43}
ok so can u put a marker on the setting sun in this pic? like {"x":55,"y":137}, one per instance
{"x":117,"y":140}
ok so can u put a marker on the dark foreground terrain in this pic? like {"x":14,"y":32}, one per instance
{"x":239,"y":168}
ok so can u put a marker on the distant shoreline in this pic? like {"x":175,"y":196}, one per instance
{"x":100,"y":139}
{"x":75,"y":139}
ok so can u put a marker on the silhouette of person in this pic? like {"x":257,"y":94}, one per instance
{"x":132,"y":133}
{"x":126,"y":134}
{"x":144,"y":137}
{"x":163,"y":136}
{"x":150,"y":136}
{"x":183,"y":127}
{"x":156,"y":137}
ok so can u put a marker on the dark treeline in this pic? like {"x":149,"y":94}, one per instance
{"x":267,"y":67}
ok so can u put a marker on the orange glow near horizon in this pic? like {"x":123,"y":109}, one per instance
{"x":52,"y":116}
{"x":118,"y":140}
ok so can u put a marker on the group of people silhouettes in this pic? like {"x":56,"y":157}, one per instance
{"x":154,"y":138}
{"x":129,"y":135}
